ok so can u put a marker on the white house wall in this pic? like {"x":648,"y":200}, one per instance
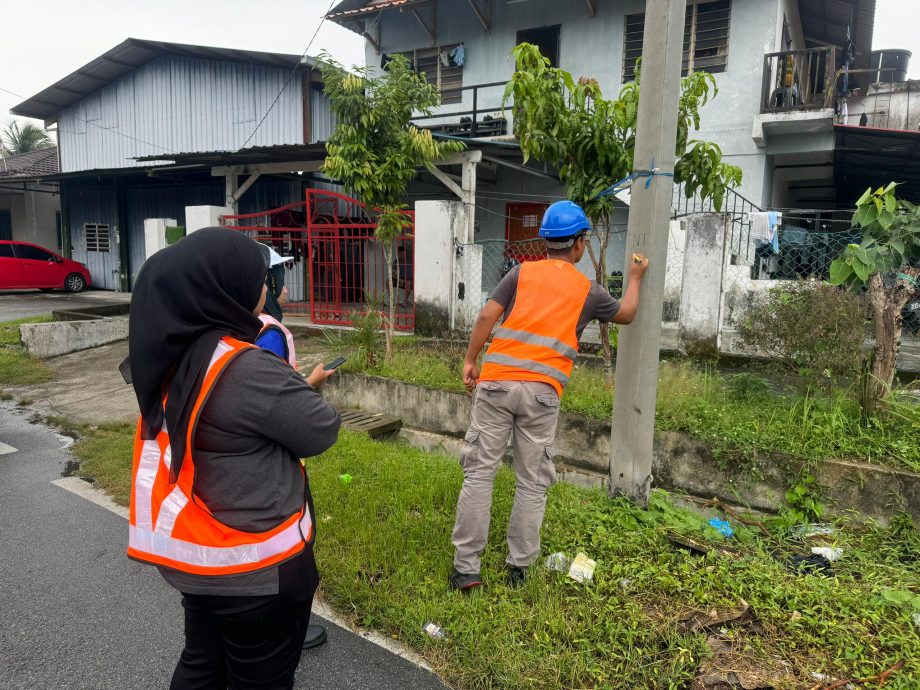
{"x":33,"y":214}
{"x":177,"y":105}
{"x":594,"y":47}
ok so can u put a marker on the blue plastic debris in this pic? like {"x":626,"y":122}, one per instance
{"x":722,"y":527}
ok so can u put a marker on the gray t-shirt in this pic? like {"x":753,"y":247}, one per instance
{"x":599,"y":304}
{"x":259,"y":420}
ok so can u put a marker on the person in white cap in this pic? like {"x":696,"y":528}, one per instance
{"x":275,"y":337}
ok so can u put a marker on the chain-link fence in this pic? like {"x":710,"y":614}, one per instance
{"x":799,"y":247}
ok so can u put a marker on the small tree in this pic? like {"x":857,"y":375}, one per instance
{"x":18,"y":139}
{"x":885,"y":261}
{"x":591,"y":141}
{"x":375,"y":150}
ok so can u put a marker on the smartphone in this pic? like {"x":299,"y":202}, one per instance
{"x":335,"y":364}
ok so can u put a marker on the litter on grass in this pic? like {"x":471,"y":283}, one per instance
{"x":723,"y":527}
{"x":434,"y":631}
{"x":829,"y":552}
{"x":582,"y":568}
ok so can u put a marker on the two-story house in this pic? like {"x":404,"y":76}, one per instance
{"x":781,"y":66}
{"x":149,"y":128}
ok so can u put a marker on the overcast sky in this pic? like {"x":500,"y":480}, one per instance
{"x":41,"y":44}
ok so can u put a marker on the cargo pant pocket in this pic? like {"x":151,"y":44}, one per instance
{"x":548,"y":399}
{"x":469,"y":454}
{"x":548,"y":468}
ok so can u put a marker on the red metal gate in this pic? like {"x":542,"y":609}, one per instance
{"x":339,"y":268}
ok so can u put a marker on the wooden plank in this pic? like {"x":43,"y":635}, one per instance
{"x":372,"y":424}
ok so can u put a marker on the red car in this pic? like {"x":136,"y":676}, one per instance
{"x":24,"y":265}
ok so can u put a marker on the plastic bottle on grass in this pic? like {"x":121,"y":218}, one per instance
{"x":558,"y":562}
{"x":434,"y":631}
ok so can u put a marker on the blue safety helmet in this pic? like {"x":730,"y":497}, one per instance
{"x":562,"y":220}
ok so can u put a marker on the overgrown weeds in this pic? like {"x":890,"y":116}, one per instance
{"x":628,"y":628}
{"x":16,"y":367}
{"x":739,"y":415}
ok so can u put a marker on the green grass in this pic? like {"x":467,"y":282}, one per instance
{"x":106,"y":454}
{"x":16,"y":367}
{"x":738,"y":416}
{"x":384,"y":549}
{"x":383,"y":546}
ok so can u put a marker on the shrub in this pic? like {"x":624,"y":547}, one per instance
{"x":814,"y":329}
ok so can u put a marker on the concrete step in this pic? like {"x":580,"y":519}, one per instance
{"x":374,"y":425}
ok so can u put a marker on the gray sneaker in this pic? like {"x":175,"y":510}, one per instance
{"x":463,"y":581}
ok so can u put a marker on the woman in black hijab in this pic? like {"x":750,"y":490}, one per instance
{"x":243,"y":629}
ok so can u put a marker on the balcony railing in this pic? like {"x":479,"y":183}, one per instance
{"x":479,"y":115}
{"x":798,"y":80}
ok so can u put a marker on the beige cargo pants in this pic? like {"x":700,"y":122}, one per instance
{"x":531,"y":411}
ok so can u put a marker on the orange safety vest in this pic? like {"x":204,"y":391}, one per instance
{"x":270,"y":323}
{"x":169,"y":523}
{"x":538,"y":340}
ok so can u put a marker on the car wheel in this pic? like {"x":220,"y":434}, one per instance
{"x":74,"y":283}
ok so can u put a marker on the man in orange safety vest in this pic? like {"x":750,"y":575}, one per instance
{"x":546,"y":305}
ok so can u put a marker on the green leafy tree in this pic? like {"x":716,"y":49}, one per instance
{"x":375,"y":150}
{"x":24,"y":138}
{"x":591,"y":141}
{"x":885,"y":262}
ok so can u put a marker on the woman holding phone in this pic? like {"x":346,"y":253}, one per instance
{"x":220,"y":502}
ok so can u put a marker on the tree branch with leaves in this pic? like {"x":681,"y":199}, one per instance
{"x":376,"y":151}
{"x":591,"y":142}
{"x":16,"y":138}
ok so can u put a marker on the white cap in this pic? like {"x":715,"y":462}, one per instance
{"x":276,"y":258}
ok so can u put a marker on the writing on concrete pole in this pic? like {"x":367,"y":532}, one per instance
{"x":636,"y":382}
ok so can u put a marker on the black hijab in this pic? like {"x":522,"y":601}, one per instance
{"x":186,"y":298}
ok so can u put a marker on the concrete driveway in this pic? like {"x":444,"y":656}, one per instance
{"x":22,"y":304}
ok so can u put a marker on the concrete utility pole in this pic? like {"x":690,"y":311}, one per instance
{"x":633,"y":427}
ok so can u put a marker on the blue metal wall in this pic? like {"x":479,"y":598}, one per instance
{"x":162,"y":202}
{"x":142,"y":201}
{"x":181,"y":105}
{"x":91,"y":205}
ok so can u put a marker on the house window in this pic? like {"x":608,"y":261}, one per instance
{"x":97,"y":237}
{"x":546,"y":39}
{"x":705,"y":39}
{"x":439,"y":65}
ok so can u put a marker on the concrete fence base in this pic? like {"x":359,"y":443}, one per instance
{"x":60,"y":337}
{"x":436,"y":420}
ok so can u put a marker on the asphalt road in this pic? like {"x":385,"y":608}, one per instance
{"x":21,"y":304}
{"x":77,"y":613}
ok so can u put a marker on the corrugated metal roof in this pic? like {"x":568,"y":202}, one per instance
{"x":128,"y":56}
{"x":30,"y":166}
{"x":250,"y":156}
{"x":826,"y":21}
{"x":352,"y":9}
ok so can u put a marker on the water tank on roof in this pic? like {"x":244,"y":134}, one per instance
{"x":891,"y":65}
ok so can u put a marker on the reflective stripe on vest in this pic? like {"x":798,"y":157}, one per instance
{"x":538,"y":340}
{"x":171,"y":526}
{"x":268,"y":322}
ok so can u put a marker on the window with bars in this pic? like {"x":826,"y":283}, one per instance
{"x":705,"y":39}
{"x":440,"y":68}
{"x":97,"y":238}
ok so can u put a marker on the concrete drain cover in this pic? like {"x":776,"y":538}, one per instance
{"x":372,"y":424}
